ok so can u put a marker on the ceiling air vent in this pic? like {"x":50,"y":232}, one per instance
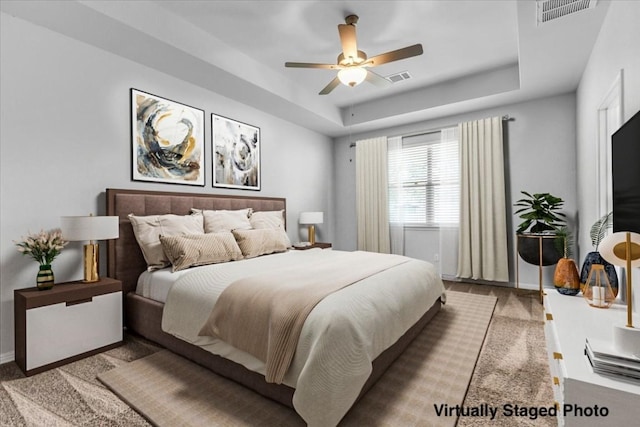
{"x":398,"y":77}
{"x":548,"y":10}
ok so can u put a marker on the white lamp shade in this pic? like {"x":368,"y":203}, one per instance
{"x":77,"y":228}
{"x":352,"y":76}
{"x":613,"y":248}
{"x":311,"y":217}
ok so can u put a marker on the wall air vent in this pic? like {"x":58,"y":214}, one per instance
{"x":398,"y":77}
{"x":548,"y":10}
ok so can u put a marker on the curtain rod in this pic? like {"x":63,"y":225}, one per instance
{"x":505,"y":118}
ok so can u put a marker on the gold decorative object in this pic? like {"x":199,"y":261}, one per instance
{"x":91,"y":257}
{"x":597,"y":289}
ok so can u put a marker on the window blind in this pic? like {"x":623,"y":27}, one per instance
{"x":424,"y":181}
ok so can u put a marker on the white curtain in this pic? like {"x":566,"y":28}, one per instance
{"x":372,"y":195}
{"x":483,"y":225}
{"x":395,"y":173}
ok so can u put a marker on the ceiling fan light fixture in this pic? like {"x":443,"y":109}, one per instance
{"x":352,"y":76}
{"x":352,"y":62}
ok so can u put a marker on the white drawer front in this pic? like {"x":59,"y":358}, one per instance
{"x":59,"y":331}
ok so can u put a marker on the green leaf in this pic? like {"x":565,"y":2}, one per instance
{"x":541,"y":211}
{"x":599,"y":229}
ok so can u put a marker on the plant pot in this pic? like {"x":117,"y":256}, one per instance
{"x":44,"y":279}
{"x":609,"y":269}
{"x":529,"y":248}
{"x":566,"y":278}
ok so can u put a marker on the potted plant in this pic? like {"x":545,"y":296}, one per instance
{"x":542,"y":219}
{"x":598,"y":232}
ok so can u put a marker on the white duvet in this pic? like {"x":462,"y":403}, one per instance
{"x":343,"y":334}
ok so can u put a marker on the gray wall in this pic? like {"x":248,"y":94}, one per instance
{"x":65,"y":139}
{"x":617,"y":48}
{"x":540,"y":157}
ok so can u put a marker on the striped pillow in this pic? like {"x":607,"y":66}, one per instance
{"x":263,"y":241}
{"x":200,"y":249}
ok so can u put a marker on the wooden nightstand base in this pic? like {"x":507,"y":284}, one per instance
{"x":315,"y":245}
{"x":39,"y":369}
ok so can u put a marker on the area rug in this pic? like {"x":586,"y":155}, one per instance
{"x":513,"y":366}
{"x":431,"y":375}
{"x":70,"y":396}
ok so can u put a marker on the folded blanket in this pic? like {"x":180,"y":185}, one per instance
{"x":264,"y":314}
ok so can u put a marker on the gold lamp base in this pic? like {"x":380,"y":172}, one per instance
{"x":91,"y":256}
{"x":312,"y":234}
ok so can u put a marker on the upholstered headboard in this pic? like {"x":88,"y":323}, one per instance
{"x":124,"y":257}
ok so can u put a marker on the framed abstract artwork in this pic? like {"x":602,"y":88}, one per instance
{"x":167,"y":140}
{"x":236,"y":154}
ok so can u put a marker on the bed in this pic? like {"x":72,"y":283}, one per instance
{"x":299,"y":390}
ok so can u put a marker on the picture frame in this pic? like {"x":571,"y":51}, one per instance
{"x":167,"y":140}
{"x":235,"y":152}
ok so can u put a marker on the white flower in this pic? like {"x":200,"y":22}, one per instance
{"x":44,"y":246}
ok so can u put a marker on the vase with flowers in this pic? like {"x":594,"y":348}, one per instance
{"x":44,"y":247}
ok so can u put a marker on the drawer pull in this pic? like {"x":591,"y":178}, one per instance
{"x":556,"y":381}
{"x":557,"y":356}
{"x":549,"y":316}
{"x":79,"y":301}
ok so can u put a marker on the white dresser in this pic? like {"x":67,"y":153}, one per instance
{"x":569,"y":320}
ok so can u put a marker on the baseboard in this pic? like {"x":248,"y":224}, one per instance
{"x":7,"y":357}
{"x":529,"y":286}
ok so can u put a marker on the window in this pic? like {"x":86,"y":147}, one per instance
{"x":424,"y":180}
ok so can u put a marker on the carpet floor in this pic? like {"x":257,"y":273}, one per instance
{"x":511,"y":369}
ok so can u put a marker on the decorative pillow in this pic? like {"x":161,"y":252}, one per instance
{"x":267,"y":219}
{"x":200,"y":249}
{"x":223,"y":220}
{"x":262,"y":241}
{"x":148,"y":229}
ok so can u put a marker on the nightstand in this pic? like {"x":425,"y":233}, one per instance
{"x":71,"y":321}
{"x":315,"y":245}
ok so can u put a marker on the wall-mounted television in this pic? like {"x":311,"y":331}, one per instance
{"x":625,"y":157}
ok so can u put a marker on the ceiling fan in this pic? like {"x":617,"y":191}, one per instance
{"x":353,"y":63}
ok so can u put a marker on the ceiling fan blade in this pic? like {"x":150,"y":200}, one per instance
{"x":331,"y":86}
{"x":377,"y":79}
{"x":395,"y":55}
{"x":311,"y":65}
{"x":348,"y":40}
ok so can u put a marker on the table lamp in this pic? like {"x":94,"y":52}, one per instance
{"x":311,"y":219}
{"x":91,"y":228}
{"x":623,"y":249}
